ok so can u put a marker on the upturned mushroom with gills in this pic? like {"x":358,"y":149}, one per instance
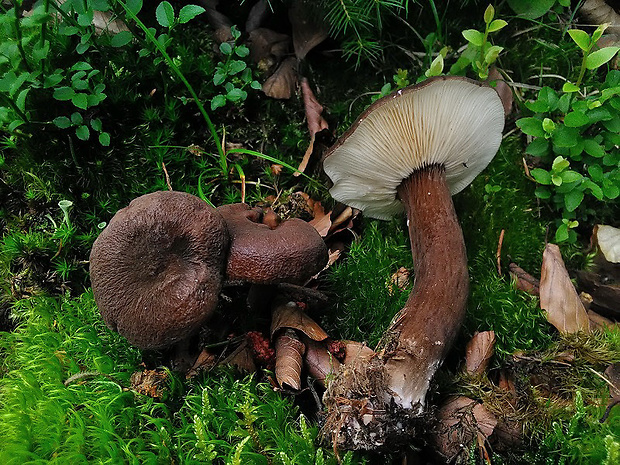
{"x":411,"y":150}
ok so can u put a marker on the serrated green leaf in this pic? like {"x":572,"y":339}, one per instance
{"x":236,"y":66}
{"x":82,"y":132}
{"x":164,"y":13}
{"x":76,"y":118}
{"x":121,"y":39}
{"x":96,"y":124}
{"x":581,"y":38}
{"x":236,"y":95}
{"x":600,"y":57}
{"x":64,"y":93}
{"x":242,"y":51}
{"x":62,"y":122}
{"x":189,"y":12}
{"x":80,"y":101}
{"x":217,"y":102}
{"x":219,"y":78}
{"x":541,"y":176}
{"x":473,"y":36}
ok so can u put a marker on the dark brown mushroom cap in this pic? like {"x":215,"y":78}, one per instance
{"x":292,"y":251}
{"x":157,"y":268}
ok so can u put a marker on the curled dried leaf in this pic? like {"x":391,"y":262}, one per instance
{"x":316,"y":122}
{"x":289,"y":315}
{"x":205,"y":361}
{"x":558,"y":296}
{"x":357,"y":352}
{"x":289,"y":356}
{"x":479,"y":351}
{"x":319,"y":361}
{"x":309,"y":29}
{"x":281,"y":84}
{"x":523,"y":280}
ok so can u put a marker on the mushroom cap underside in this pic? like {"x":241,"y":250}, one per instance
{"x":157,"y":268}
{"x":292,"y":252}
{"x":450,"y":121}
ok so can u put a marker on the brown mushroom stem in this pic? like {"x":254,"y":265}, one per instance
{"x":376,"y":402}
{"x":422,"y":332}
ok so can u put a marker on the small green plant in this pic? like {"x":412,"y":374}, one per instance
{"x":480,"y":53}
{"x":233,"y":74}
{"x":576,"y":137}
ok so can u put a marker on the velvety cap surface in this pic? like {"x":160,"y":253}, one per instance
{"x":157,"y":268}
{"x":449,"y":121}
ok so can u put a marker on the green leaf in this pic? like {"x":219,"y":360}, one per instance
{"x":218,"y":101}
{"x":564,"y":102}
{"x":226,"y":48}
{"x":596,"y":172}
{"x":96,"y":124}
{"x":189,"y":12}
{"x":64,"y":93}
{"x":542,"y":193}
{"x":164,"y":13}
{"x":497,"y":25}
{"x":134,"y":6}
{"x":80,"y":101}
{"x":581,"y":38}
{"x":557,"y":180}
{"x":237,"y":95}
{"x":593,"y":148}
{"x":104,"y":139}
{"x":531,"y":126}
{"x":256,"y":85}
{"x":473,"y":36}
{"x":242,"y":51}
{"x":121,"y":39}
{"x":570,"y":176}
{"x":492,"y":53}
{"x":611,"y":190}
{"x":548,"y":125}
{"x":52,"y":80}
{"x":559,"y":164}
{"x":541,"y":176}
{"x":86,"y":18}
{"x":82,"y":48}
{"x":76,"y":118}
{"x":565,"y":136}
{"x":561,"y":235}
{"x":600,"y":57}
{"x":576,"y":119}
{"x":81,"y":66}
{"x":538,"y":147}
{"x":436,"y":67}
{"x":530,"y":9}
{"x":489,"y":13}
{"x":62,"y":122}
{"x":236,"y":66}
{"x":594,"y":188}
{"x":80,"y":84}
{"x":573,"y":199}
{"x":569,"y":87}
{"x":82,"y":132}
{"x":219,"y":78}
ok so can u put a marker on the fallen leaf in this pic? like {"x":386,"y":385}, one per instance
{"x":613,"y":378}
{"x":322,"y":221}
{"x":503,"y":90}
{"x":257,"y":15}
{"x":600,"y":322}
{"x":608,"y":240}
{"x":241,"y":358}
{"x":265,"y":43}
{"x":205,"y":361}
{"x":399,"y":280}
{"x":106,"y":23}
{"x":309,"y":29}
{"x":289,"y":356}
{"x":356,"y":352}
{"x":461,"y":421}
{"x":319,"y":361}
{"x":479,"y":351}
{"x":288,"y":315}
{"x":523,"y":280}
{"x":558,"y":296}
{"x":276,"y":169}
{"x":219,"y":22}
{"x":281,"y":84}
{"x":315,"y":121}
{"x":150,"y":383}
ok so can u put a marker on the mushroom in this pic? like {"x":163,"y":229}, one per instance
{"x":291,"y":251}
{"x":157,"y":268}
{"x":411,"y":150}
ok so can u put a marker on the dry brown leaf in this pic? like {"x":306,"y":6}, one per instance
{"x":479,"y":351}
{"x":205,"y":361}
{"x":357,"y":352}
{"x":316,"y":122}
{"x":106,"y":23}
{"x":523,"y":280}
{"x":558,"y":296}
{"x":503,"y":90}
{"x":281,"y":84}
{"x":613,"y":377}
{"x":219,"y":22}
{"x":319,"y":361}
{"x":289,"y":315}
{"x":309,"y":30}
{"x":241,"y":358}
{"x":399,"y":280}
{"x":322,"y":221}
{"x":460,"y":421}
{"x":265,"y":43}
{"x":600,"y":322}
{"x":257,"y":15}
{"x":150,"y":383}
{"x":289,"y":356}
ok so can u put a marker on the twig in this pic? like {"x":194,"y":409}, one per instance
{"x":498,"y":254}
{"x":163,"y":165}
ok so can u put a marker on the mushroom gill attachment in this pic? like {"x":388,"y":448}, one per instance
{"x":410,"y":151}
{"x":157,"y":268}
{"x":291,"y":251}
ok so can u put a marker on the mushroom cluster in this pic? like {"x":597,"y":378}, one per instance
{"x":158,"y":268}
{"x":411,"y":150}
